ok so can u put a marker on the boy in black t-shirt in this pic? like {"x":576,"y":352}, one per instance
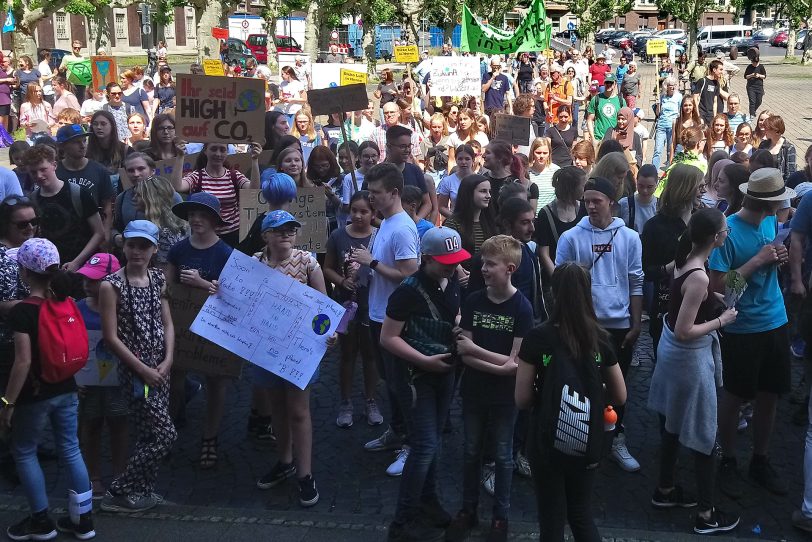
{"x":708,"y":90}
{"x":494,"y":321}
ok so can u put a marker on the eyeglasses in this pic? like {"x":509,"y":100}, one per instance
{"x":726,"y":230}
{"x":404,"y":148}
{"x":288,"y":232}
{"x":115,"y":93}
{"x":165,"y":129}
{"x":23,"y":224}
{"x":14,"y":200}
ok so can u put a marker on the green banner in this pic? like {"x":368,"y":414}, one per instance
{"x":532,"y":34}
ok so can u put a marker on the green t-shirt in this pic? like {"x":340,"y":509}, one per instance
{"x":605,"y":111}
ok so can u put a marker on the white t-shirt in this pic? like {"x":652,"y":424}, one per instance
{"x":396,"y":239}
{"x":346,"y":186}
{"x":45,"y":71}
{"x":91,"y":106}
{"x":641,"y":131}
{"x":290,"y":90}
{"x":454,"y":140}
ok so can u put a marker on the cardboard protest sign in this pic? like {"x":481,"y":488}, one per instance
{"x":455,"y":76}
{"x":219,"y":33}
{"x":514,"y":129}
{"x":338,"y":99}
{"x":193,"y":352}
{"x":324,"y":75}
{"x":101,"y":368}
{"x":406,"y":53}
{"x":104,"y":70}
{"x":220,"y":109}
{"x":309,"y":209}
{"x":164,"y":168}
{"x":351,"y":77}
{"x":213,"y":67}
{"x":242,"y":161}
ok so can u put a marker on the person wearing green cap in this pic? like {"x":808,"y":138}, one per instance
{"x":601,"y":113}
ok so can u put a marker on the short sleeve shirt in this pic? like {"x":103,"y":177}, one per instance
{"x":60,"y":223}
{"x":93,"y":177}
{"x":397,"y":239}
{"x":209,"y":262}
{"x":605,"y":111}
{"x":495,"y":95}
{"x":299,"y":265}
{"x":544,"y":340}
{"x":226,"y":189}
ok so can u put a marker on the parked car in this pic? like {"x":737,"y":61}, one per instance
{"x":780,"y":39}
{"x":258,"y":44}
{"x":639,"y":33}
{"x":237,"y":52}
{"x":565,"y":34}
{"x":741,"y":44}
{"x":671,"y":33}
{"x":764,"y":35}
{"x":618,"y":37}
{"x":799,"y":42}
{"x":601,"y":34}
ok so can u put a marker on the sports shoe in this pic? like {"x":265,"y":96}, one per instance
{"x":489,"y":479}
{"x":373,"y":413}
{"x":728,"y":479}
{"x":766,"y":476}
{"x":83,"y":530}
{"x":461,"y":525}
{"x":308,"y":494}
{"x":523,"y":466}
{"x":800,"y":521}
{"x":499,"y":531}
{"x":388,"y":441}
{"x":676,"y":498}
{"x":279,"y":473}
{"x":621,"y":455}
{"x":718,"y":522}
{"x":35,"y":527}
{"x":396,"y":468}
{"x":344,"y":414}
{"x":128,"y":503}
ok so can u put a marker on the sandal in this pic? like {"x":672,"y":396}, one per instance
{"x":208,"y":453}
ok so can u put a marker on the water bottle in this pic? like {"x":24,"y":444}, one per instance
{"x":609,"y":418}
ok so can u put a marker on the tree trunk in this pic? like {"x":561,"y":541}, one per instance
{"x":27,"y":19}
{"x":448,"y":32}
{"x":368,"y":46}
{"x":100,"y":31}
{"x":790,"y":42}
{"x":208,"y":16}
{"x":311,"y":40}
{"x":692,"y":47}
{"x":273,"y":59}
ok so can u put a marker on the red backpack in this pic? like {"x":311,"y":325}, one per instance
{"x":61,"y":339}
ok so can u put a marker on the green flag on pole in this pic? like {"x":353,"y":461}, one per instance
{"x":532,"y":34}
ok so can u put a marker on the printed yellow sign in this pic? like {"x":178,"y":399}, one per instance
{"x":351,"y":77}
{"x":656,"y":47}
{"x":212,"y":67}
{"x":406,"y":53}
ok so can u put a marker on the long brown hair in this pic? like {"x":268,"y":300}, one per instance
{"x":682,"y":118}
{"x":575,"y":319}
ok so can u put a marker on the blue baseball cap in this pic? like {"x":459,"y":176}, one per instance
{"x":143,"y":229}
{"x":277,"y":219}
{"x":69,"y":132}
{"x":205,"y":201}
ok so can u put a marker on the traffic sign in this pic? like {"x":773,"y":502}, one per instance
{"x":570,"y":25}
{"x":334,"y":35}
{"x":573,"y":38}
{"x":245,"y":23}
{"x":656,"y":47}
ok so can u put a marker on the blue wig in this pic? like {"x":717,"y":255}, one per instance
{"x":277,"y":188}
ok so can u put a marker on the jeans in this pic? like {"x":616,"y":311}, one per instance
{"x":754,"y":96}
{"x":806,"y":508}
{"x":428,"y":401}
{"x":576,"y":106}
{"x":662,"y":136}
{"x":29,"y":425}
{"x":386,"y":367}
{"x":481,"y":418}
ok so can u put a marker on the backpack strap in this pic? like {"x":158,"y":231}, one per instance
{"x":76,"y":198}
{"x":432,"y":307}
{"x":632,"y":212}
{"x":548,"y":212}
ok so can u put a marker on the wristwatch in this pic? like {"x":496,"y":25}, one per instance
{"x":373,"y":264}
{"x":6,"y":403}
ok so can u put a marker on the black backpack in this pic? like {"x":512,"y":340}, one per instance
{"x":569,"y":409}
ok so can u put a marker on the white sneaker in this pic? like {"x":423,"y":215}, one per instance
{"x":523,"y":466}
{"x":396,"y":468}
{"x":489,"y":479}
{"x":621,"y":455}
{"x":388,"y":441}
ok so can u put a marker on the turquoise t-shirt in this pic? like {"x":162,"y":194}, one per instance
{"x":761,"y":308}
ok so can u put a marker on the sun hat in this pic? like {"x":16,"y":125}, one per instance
{"x":38,"y":255}
{"x":70,"y":132}
{"x":99,"y":266}
{"x":767,"y":184}
{"x":277,"y":219}
{"x":143,"y":229}
{"x":199,"y":201}
{"x":444,"y":245}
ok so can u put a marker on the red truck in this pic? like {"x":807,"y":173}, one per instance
{"x":258,"y":44}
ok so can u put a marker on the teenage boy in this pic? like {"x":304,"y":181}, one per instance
{"x":412,"y":198}
{"x":613,"y":254}
{"x":392,"y":257}
{"x":69,"y":217}
{"x":398,"y":150}
{"x":494,"y":321}
{"x":636,"y":210}
{"x":755,"y":348}
{"x":418,"y":333}
{"x":708,"y":91}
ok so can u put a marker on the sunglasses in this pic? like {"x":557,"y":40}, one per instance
{"x":23,"y":224}
{"x":14,"y":200}
{"x":115,"y":93}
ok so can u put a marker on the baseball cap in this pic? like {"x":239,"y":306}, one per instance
{"x":204,"y":201}
{"x":99,"y":266}
{"x":69,"y":132}
{"x":143,"y":229}
{"x":803,"y":189}
{"x":610,"y":78}
{"x":277,"y":219}
{"x":165,"y":68}
{"x":444,"y":245}
{"x":639,"y":113}
{"x":37,"y":255}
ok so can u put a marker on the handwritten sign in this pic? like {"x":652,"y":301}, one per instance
{"x":165,"y":168}
{"x":220,"y":109}
{"x":219,"y":33}
{"x":656,"y":47}
{"x":269,"y":319}
{"x":101,"y":368}
{"x":328,"y":75}
{"x":514,"y":129}
{"x":103,"y":70}
{"x":455,"y":76}
{"x":338,"y":99}
{"x":406,"y":53}
{"x":213,"y":66}
{"x":193,"y":352}
{"x":351,"y":77}
{"x":309,"y":209}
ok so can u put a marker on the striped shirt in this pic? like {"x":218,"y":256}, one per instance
{"x":299,"y":265}
{"x":226,"y":189}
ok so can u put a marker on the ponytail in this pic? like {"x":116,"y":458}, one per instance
{"x":62,"y":284}
{"x":703,"y":227}
{"x":517,"y":167}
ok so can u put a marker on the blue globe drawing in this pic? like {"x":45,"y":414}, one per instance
{"x":249,"y":100}
{"x":321,"y":324}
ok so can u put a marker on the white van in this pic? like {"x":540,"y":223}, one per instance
{"x":710,"y":37}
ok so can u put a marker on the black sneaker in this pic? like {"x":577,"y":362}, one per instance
{"x":499,"y":531}
{"x":308,"y":494}
{"x":767,"y":477}
{"x":729,"y":480}
{"x":35,"y":527}
{"x":676,"y":498}
{"x":434,"y":514}
{"x":279,"y":473}
{"x":461,"y":525}
{"x":264,"y":430}
{"x":414,"y":531}
{"x":83,"y":530}
{"x":719,"y":522}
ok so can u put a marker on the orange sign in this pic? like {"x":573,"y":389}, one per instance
{"x":219,"y":33}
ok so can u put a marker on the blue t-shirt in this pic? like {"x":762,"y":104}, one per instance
{"x":495,"y":95}
{"x":423,"y":226}
{"x":621,"y":73}
{"x":761,"y":307}
{"x":802,"y":223}
{"x":209,"y":262}
{"x":92,"y":318}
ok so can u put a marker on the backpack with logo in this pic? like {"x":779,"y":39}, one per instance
{"x":568,"y":416}
{"x":62,"y":342}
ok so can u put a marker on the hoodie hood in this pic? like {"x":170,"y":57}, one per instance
{"x":587,"y":225}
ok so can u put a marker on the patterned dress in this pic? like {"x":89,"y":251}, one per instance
{"x":140,"y":328}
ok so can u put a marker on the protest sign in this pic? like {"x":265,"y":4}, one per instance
{"x":219,"y":33}
{"x":164,"y":168}
{"x":79,"y":72}
{"x":213,"y":67}
{"x":338,"y":99}
{"x":220,"y":109}
{"x":656,"y":47}
{"x":406,"y":53}
{"x":104,"y":70}
{"x":455,"y":76}
{"x":531,"y":34}
{"x":351,"y":77}
{"x":269,"y":319}
{"x":193,"y":352}
{"x":101,"y":368}
{"x":324,"y":75}
{"x":514,"y":129}
{"x":309,"y":209}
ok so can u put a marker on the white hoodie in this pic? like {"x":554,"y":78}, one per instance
{"x":616,"y":275}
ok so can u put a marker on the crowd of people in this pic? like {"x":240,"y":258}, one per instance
{"x":454,"y":249}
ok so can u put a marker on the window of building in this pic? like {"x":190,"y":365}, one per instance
{"x":190,"y":27}
{"x":556,"y":22}
{"x":61,"y":26}
{"x":121,"y":26}
{"x":169,"y":30}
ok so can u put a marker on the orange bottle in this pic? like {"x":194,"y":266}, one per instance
{"x":609,"y":418}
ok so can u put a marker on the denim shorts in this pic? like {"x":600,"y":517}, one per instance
{"x":266,"y":379}
{"x":102,"y":402}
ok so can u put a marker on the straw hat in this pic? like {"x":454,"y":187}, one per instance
{"x":767,"y":184}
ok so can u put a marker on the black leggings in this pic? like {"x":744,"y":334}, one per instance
{"x":624,"y":359}
{"x":704,"y":469}
{"x":754,"y":96}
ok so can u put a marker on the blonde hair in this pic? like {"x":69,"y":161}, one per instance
{"x":311,"y":130}
{"x":439,"y":117}
{"x":504,"y":247}
{"x":157,"y":194}
{"x":542,"y":142}
{"x":614,"y":166}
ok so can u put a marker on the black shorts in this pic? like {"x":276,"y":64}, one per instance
{"x":5,"y":110}
{"x":756,"y":362}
